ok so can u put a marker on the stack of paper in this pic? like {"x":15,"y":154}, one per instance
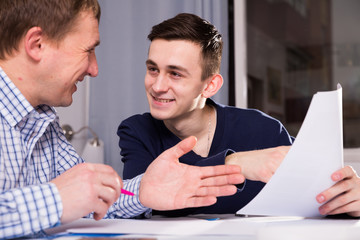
{"x":307,"y":168}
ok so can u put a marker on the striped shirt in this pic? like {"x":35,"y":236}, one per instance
{"x":33,"y":151}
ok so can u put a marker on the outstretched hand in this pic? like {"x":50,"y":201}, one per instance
{"x":343,"y":196}
{"x":258,"y":165}
{"x":168,"y":184}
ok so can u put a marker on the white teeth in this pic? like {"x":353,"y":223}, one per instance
{"x":163,"y":100}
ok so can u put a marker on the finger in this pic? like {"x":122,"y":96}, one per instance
{"x":219,"y":170}
{"x":342,"y":200}
{"x":184,"y":146}
{"x":223,"y":180}
{"x":345,"y":172}
{"x":200,"y":201}
{"x":218,"y":191}
{"x":351,"y":209}
{"x":107,"y":194}
{"x":333,"y":204}
{"x":335,"y":190}
{"x":348,"y":208}
{"x":180,"y":149}
{"x":100,"y":209}
{"x":111,"y":180}
{"x":348,"y":180}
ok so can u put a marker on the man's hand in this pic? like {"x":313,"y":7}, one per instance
{"x":258,"y":165}
{"x":343,"y":196}
{"x":168,"y":184}
{"x":87,"y":188}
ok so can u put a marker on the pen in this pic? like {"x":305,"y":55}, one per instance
{"x":123,"y":191}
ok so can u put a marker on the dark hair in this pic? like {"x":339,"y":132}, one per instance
{"x":54,"y":17}
{"x":186,"y":26}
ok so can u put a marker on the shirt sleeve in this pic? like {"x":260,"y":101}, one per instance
{"x":129,"y":206}
{"x":30,"y":209}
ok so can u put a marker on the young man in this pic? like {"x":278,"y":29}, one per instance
{"x":46,"y":48}
{"x":182,"y":74}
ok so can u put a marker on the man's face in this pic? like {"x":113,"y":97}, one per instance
{"x":69,"y":62}
{"x":173,"y":78}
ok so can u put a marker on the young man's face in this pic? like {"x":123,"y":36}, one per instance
{"x":173,"y":78}
{"x":70,"y":62}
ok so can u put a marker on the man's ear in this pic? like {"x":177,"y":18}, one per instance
{"x":214,"y":85}
{"x":34,"y":40}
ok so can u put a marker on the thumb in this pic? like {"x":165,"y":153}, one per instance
{"x":183,"y":147}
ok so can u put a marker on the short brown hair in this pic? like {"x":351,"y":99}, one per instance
{"x":54,"y":17}
{"x":186,"y":26}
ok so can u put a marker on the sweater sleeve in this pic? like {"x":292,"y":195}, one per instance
{"x":135,"y":149}
{"x":217,"y":159}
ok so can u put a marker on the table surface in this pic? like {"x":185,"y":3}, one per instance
{"x":210,"y":227}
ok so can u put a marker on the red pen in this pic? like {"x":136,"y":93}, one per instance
{"x":123,"y":191}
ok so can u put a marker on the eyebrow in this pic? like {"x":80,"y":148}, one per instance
{"x":171,"y":67}
{"x":150,"y":62}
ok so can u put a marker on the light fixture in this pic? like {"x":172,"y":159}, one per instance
{"x":94,"y":148}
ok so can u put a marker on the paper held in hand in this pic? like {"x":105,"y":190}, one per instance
{"x":306,"y":170}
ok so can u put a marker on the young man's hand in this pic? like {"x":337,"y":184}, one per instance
{"x":343,"y":196}
{"x":168,"y":184}
{"x":258,"y":165}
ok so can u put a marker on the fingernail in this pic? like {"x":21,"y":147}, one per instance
{"x":320,"y":198}
{"x":336,"y":177}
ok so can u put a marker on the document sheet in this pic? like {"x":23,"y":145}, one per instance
{"x":306,"y":170}
{"x":189,"y":227}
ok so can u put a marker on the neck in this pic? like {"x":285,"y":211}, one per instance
{"x":201,"y":124}
{"x":20,"y":76}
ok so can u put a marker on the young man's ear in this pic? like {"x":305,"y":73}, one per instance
{"x":34,"y":43}
{"x":213,"y":86}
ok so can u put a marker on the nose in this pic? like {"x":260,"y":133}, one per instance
{"x":160,"y":83}
{"x":93,"y":68}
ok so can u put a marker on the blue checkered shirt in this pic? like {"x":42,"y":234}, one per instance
{"x":33,"y":151}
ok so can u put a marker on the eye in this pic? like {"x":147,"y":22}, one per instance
{"x":175,"y":74}
{"x":152,"y":70}
{"x":90,"y":51}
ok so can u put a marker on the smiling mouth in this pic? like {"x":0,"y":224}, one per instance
{"x":162,"y":100}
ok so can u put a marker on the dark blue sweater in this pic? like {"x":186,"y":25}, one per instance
{"x":143,"y":138}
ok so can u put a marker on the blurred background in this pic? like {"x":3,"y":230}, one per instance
{"x":277,"y":54}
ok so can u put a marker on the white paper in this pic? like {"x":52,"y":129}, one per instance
{"x":228,"y":225}
{"x":184,"y":226}
{"x":306,"y":170}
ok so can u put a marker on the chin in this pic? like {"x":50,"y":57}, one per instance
{"x":158,"y":116}
{"x":65,"y":103}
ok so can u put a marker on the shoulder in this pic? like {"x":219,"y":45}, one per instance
{"x":144,"y":118}
{"x":247,"y":120}
{"x":245,"y":115}
{"x":139,"y":124}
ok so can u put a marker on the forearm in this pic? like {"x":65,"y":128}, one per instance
{"x":28,"y":210}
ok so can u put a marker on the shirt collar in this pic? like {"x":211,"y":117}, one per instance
{"x":13,"y":105}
